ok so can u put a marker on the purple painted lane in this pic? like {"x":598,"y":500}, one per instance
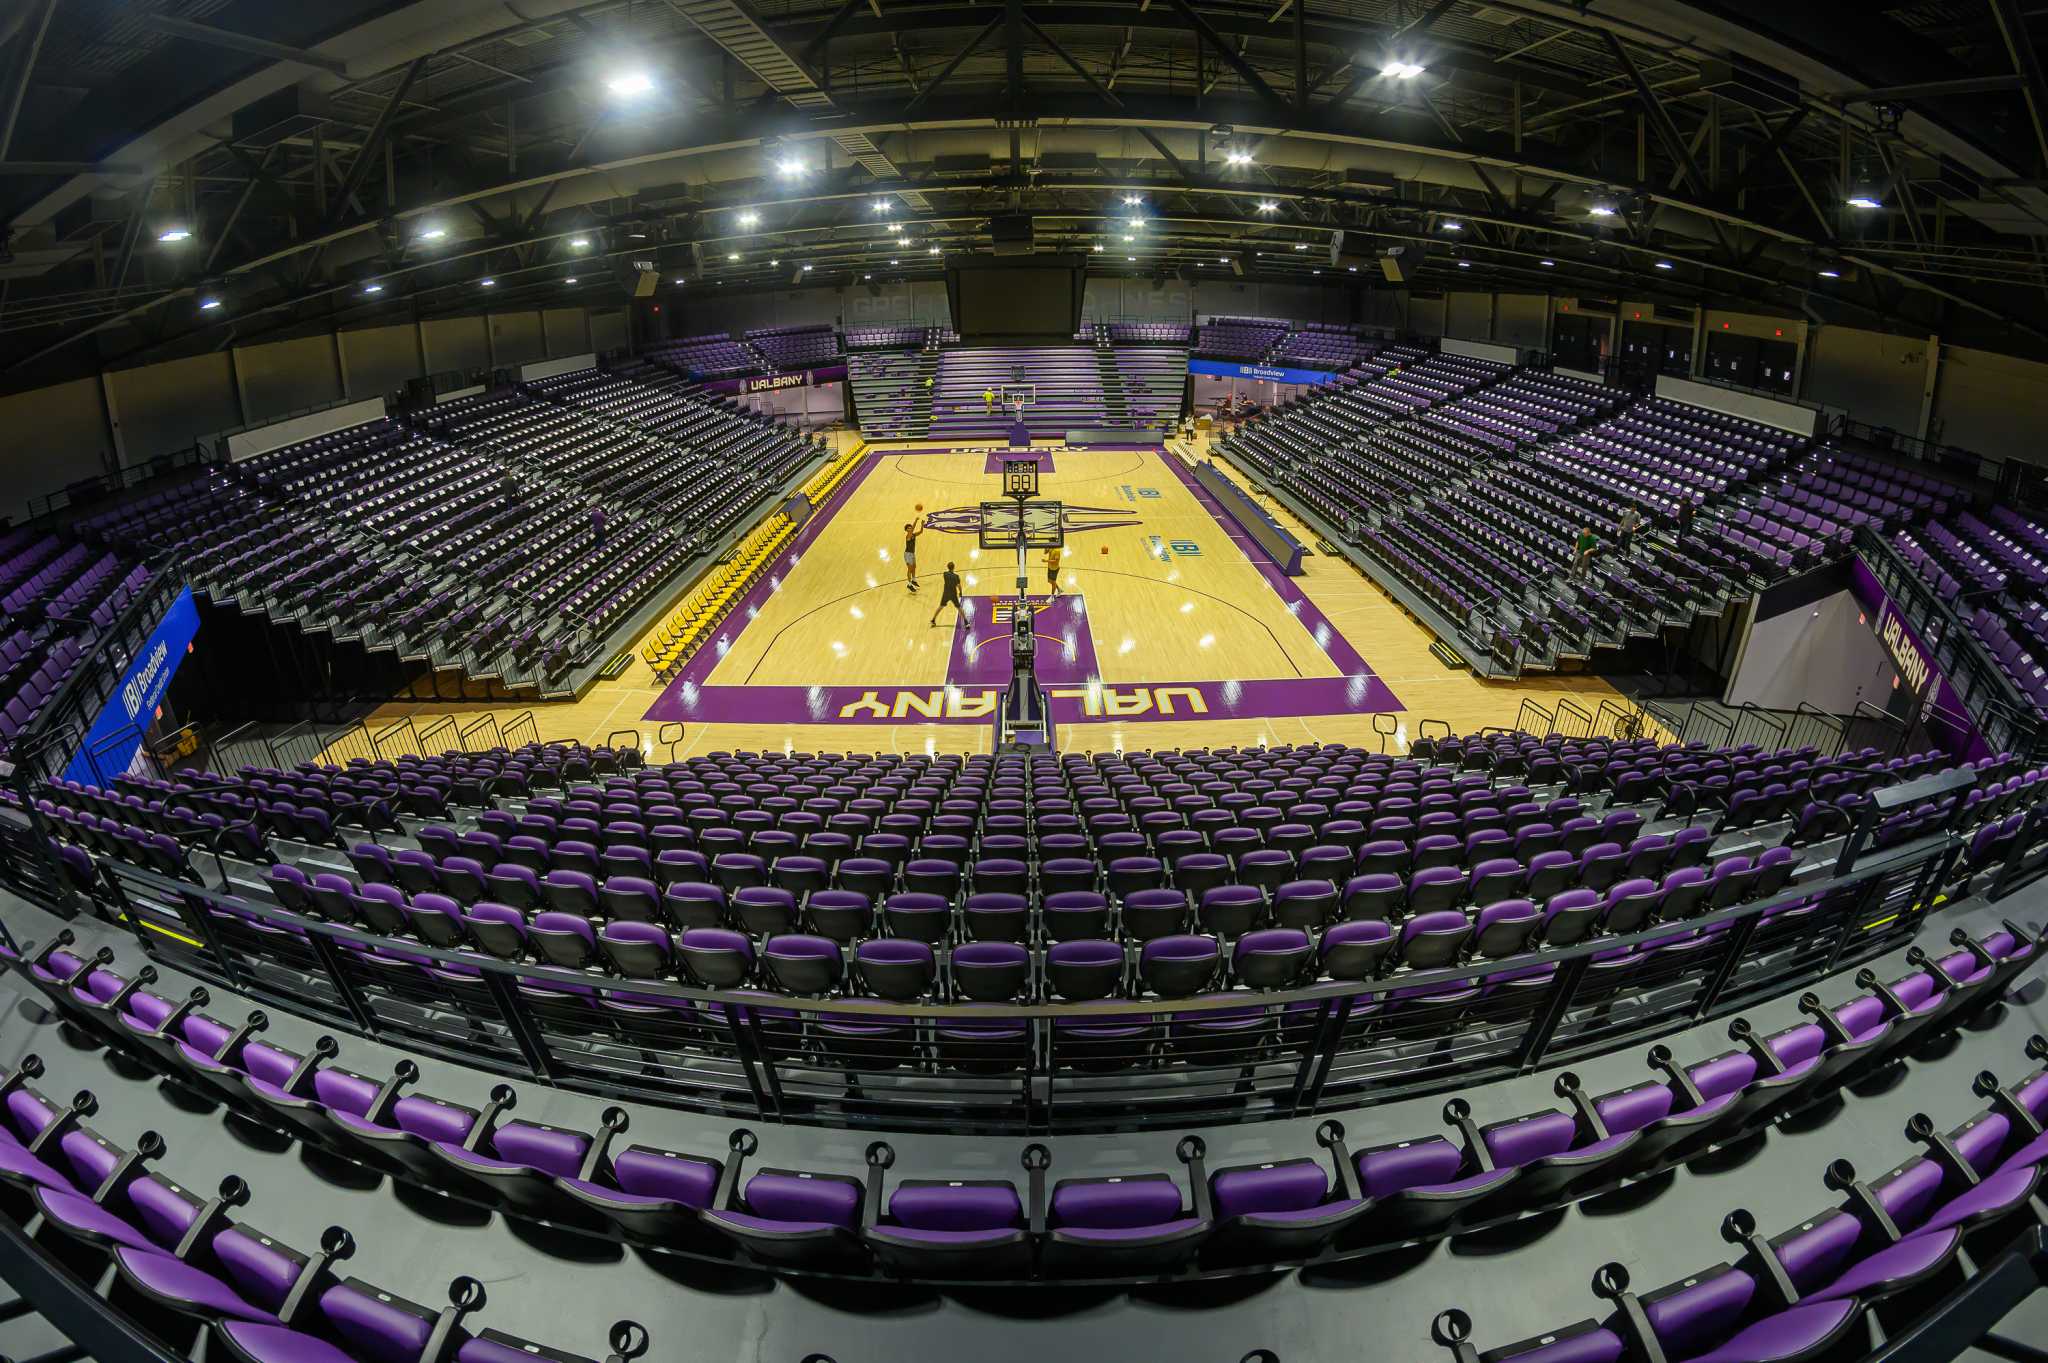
{"x":981,"y":643}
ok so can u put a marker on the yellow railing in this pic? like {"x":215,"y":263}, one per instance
{"x":722,"y":588}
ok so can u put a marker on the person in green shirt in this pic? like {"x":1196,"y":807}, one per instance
{"x":1582,"y":552}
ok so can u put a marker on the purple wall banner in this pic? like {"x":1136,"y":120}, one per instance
{"x":774,"y":383}
{"x":1947,"y":719}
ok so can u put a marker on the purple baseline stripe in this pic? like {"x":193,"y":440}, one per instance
{"x":1138,"y":702}
{"x":981,"y":643}
{"x":997,"y":458}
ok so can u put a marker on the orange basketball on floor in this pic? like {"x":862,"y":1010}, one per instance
{"x":1105,"y":549}
{"x":920,"y":506}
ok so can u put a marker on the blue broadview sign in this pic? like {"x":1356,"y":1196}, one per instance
{"x":110,"y":745}
{"x":1265,"y":373}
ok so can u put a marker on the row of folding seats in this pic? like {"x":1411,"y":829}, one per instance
{"x":1151,"y":1222}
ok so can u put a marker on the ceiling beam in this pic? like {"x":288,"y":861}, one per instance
{"x":31,"y":50}
{"x":2012,"y":26}
{"x":242,"y":42}
{"x":1660,"y":118}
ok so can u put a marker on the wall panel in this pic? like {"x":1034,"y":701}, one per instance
{"x":567,"y":331}
{"x":287,"y":376}
{"x":379,"y":359}
{"x":1469,"y":316}
{"x":1875,"y":377}
{"x":452,"y":343}
{"x":1426,"y":315}
{"x":609,"y":330}
{"x":516,"y":339}
{"x":158,"y":408}
{"x":1520,"y":320}
{"x":1991,"y":404}
{"x":56,"y":436}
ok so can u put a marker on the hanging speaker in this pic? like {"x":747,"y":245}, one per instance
{"x":1349,"y":249}
{"x":1391,"y":267}
{"x":644,"y":286}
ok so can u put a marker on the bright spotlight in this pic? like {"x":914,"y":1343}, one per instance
{"x":774,"y":262}
{"x":579,"y":243}
{"x":630,"y":85}
{"x":1863,"y":201}
{"x":790,"y":167}
{"x":1549,"y":262}
{"x":1133,"y":200}
{"x":570,"y":280}
{"x":373,"y":288}
{"x":487,"y":283}
{"x":433,"y":233}
{"x":1452,"y":226}
{"x":881,"y":205}
{"x":208,"y":304}
{"x":1237,"y":156}
{"x":1301,"y":246}
{"x":174,"y":234}
{"x":1830,"y":274}
{"x":1400,"y":70}
{"x":1464,"y":264}
{"x":1098,"y":248}
{"x":933,"y":250}
{"x":732,"y":255}
{"x":1601,"y":210}
{"x":1268,"y":206}
{"x":749,"y":218}
{"x":1665,"y":265}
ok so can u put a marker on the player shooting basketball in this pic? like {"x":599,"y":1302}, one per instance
{"x":911,"y":531}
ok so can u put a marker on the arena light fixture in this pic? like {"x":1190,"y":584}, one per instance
{"x":1130,"y":258}
{"x":487,"y":283}
{"x":1665,"y":265}
{"x":208,"y":304}
{"x":1299,"y":246}
{"x":1601,"y":210}
{"x":807,"y":269}
{"x":1127,"y":237}
{"x":570,"y":280}
{"x":1451,"y":225}
{"x":630,"y":85}
{"x":866,"y":277}
{"x":433,"y":233}
{"x":1133,"y":200}
{"x":881,"y":205}
{"x":1830,"y":274}
{"x":1863,"y":201}
{"x":373,"y":288}
{"x":732,"y":255}
{"x":1549,"y":263}
{"x":172,"y":235}
{"x":1396,"y":69}
{"x":790,"y":167}
{"x":681,"y":282}
{"x":749,"y":218}
{"x":1237,"y":156}
{"x":1464,"y":264}
{"x":895,"y":262}
{"x":579,"y":243}
{"x":1098,"y":248}
{"x":1268,"y":206}
{"x":933,"y":250}
{"x":774,"y":261}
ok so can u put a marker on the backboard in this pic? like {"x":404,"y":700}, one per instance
{"x":1042,"y":525}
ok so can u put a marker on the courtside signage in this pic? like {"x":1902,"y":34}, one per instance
{"x":1264,"y":373}
{"x":111,"y":744}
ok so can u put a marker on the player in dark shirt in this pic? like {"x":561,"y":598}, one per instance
{"x":949,"y":594}
{"x":910,"y":533}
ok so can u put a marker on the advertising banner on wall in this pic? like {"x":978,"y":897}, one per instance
{"x":116,"y":736}
{"x":1264,"y":373}
{"x":1942,"y":711}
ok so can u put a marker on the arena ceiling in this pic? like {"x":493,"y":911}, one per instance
{"x":179,"y":175}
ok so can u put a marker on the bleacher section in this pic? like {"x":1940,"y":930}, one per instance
{"x":1239,"y":338}
{"x":1470,"y":483}
{"x":892,"y":392}
{"x":796,"y":347}
{"x":507,"y":537}
{"x":57,"y":595}
{"x":1320,"y":345}
{"x":714,"y":355}
{"x":943,"y":396}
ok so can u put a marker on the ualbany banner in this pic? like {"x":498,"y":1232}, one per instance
{"x":110,"y":745}
{"x":775,"y":383}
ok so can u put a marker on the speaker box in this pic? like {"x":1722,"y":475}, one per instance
{"x":644,"y":286}
{"x":1011,"y":234}
{"x":1348,"y":249}
{"x":1392,"y":270}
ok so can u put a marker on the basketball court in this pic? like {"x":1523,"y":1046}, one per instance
{"x":1171,"y":628}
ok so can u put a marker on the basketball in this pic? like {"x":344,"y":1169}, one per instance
{"x":920,"y":506}
{"x":1105,"y":550}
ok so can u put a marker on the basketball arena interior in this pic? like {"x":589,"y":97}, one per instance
{"x":844,"y":681}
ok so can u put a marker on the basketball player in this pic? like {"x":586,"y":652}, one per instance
{"x":1052,"y":570}
{"x":949,"y":594}
{"x":910,"y":533}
